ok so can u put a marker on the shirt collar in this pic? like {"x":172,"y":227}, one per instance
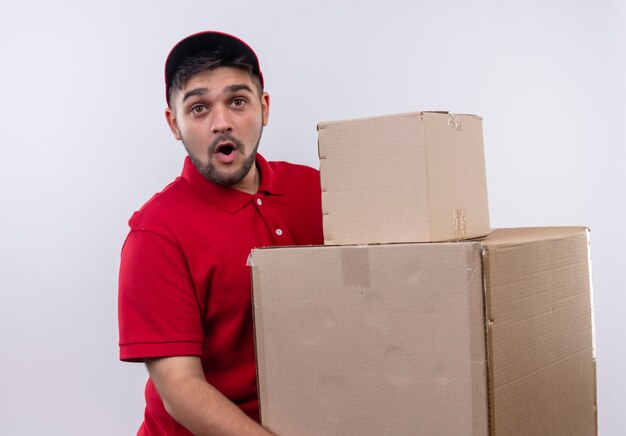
{"x":227,"y":198}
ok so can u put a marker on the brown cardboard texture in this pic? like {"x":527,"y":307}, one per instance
{"x":426,"y":167}
{"x":488,"y":337}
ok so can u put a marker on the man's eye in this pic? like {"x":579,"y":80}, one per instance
{"x":238,"y":102}
{"x":198,"y":109}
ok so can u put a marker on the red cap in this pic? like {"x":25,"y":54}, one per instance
{"x":230,"y":46}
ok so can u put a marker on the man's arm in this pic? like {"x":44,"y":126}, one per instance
{"x":193,"y":402}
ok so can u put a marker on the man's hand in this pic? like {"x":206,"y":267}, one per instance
{"x":193,"y":402}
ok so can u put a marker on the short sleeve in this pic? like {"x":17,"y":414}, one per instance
{"x":158,"y":309}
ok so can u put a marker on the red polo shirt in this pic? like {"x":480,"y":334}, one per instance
{"x":184,"y":287}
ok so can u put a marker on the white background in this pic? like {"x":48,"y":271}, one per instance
{"x":83,"y":143}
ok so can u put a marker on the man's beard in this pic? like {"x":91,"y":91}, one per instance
{"x":211,"y":173}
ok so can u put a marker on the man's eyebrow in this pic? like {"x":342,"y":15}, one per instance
{"x":227,"y":90}
{"x":194,"y":92}
{"x":237,"y":87}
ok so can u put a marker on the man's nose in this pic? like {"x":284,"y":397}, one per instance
{"x":221,"y":121}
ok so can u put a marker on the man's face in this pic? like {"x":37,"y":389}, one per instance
{"x":219,"y":117}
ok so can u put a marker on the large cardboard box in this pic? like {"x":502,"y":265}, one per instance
{"x":489,"y":337}
{"x":414,"y":177}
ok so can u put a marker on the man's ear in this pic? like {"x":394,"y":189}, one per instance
{"x":170,"y":116}
{"x":265,"y":107}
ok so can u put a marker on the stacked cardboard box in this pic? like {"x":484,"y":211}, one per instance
{"x":416,"y":177}
{"x":492,"y":336}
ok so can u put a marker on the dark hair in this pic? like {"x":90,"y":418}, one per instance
{"x":210,"y":60}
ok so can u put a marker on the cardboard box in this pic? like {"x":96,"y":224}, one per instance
{"x":489,"y":337}
{"x":414,"y":177}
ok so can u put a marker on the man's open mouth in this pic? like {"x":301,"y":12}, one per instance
{"x":225,"y":149}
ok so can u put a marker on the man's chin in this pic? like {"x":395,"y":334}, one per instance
{"x":225,"y":179}
{"x":225,"y":175}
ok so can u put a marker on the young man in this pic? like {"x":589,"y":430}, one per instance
{"x":184,"y":288}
